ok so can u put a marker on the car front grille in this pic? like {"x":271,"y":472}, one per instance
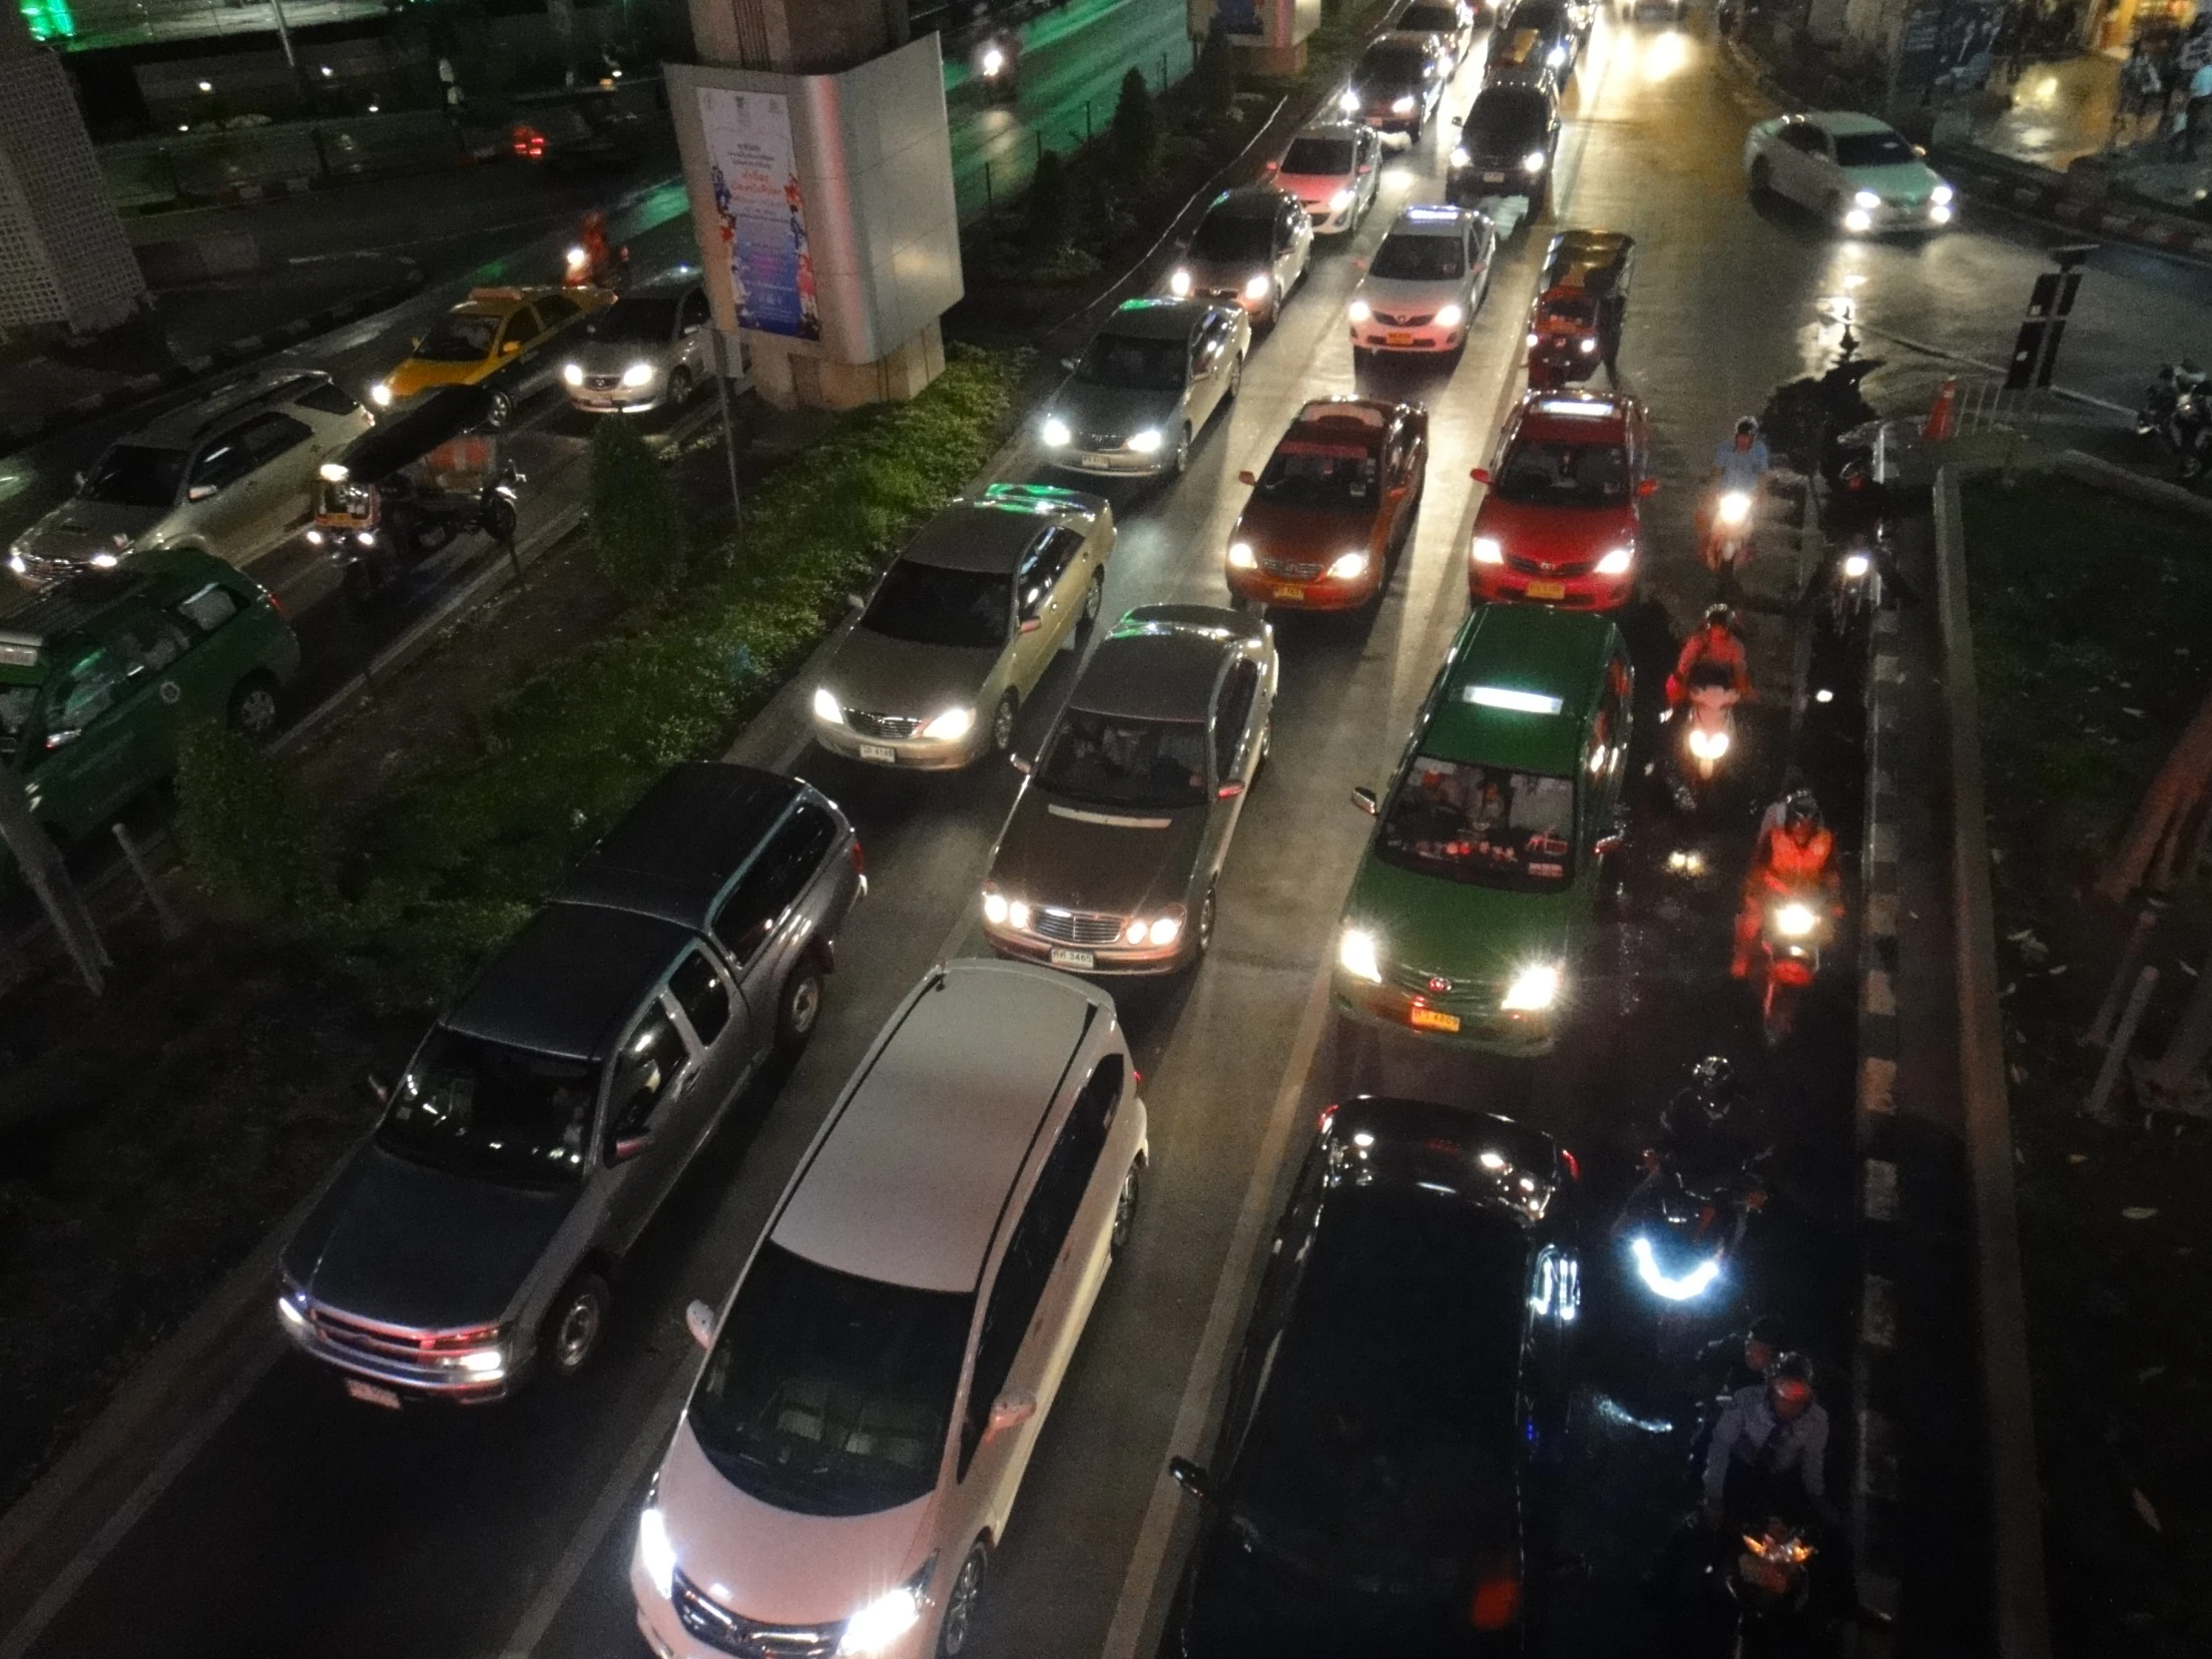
{"x":1544,"y":567}
{"x":603,"y":382}
{"x":728,"y":1632}
{"x":1444,"y":990}
{"x":1405,"y":320}
{"x":1097,"y":441}
{"x":1292,"y":570}
{"x":883,"y":725}
{"x":1075,"y":926}
{"x":347,"y":1334}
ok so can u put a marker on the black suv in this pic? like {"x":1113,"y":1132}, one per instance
{"x":1402,"y":1381}
{"x":546,"y":1118}
{"x":1506,"y":144}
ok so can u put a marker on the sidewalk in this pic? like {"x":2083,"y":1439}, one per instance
{"x":2067,"y":112}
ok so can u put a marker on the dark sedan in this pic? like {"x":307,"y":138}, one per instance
{"x":1506,"y":146}
{"x":1379,"y":1477}
{"x":1108,"y":860}
{"x":1396,"y":84}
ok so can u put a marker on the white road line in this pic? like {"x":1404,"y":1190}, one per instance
{"x":1879,"y":998}
{"x":1878,"y":1312}
{"x":1882,"y":1189}
{"x":1878,"y":1086}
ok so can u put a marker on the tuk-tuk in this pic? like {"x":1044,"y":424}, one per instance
{"x":411,"y":484}
{"x":1581,"y":300}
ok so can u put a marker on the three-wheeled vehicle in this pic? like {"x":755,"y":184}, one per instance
{"x":411,"y":484}
{"x":1575,"y":322}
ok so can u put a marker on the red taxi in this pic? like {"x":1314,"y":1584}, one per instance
{"x":1561,"y":522}
{"x":1332,"y":506}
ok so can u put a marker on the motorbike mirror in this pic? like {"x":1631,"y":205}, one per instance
{"x":1191,"y":1477}
{"x":1606,"y":845}
{"x":1020,"y":763}
{"x":1481,"y":475}
{"x":629,"y":1146}
{"x":201,"y":493}
{"x":1647,"y":487}
{"x":380,"y":1087}
{"x":78,"y":482}
{"x":510,"y":348}
{"x":1247,"y":478}
{"x":1229,"y":790}
{"x":1364,"y":798}
{"x":1030,"y":624}
{"x":698,"y":1320}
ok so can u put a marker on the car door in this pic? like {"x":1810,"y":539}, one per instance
{"x":557,"y":313}
{"x":223,"y":503}
{"x":220,"y":653}
{"x":1400,"y":474}
{"x":694,"y":340}
{"x":1236,"y":735}
{"x":718,"y":1019}
{"x":650,"y":1080}
{"x":154,"y":651}
{"x":763,"y":924}
{"x":285,"y":459}
{"x":512,"y":364}
{"x":1799,"y":162}
{"x":90,"y":764}
{"x":1038,"y":598}
{"x":1367,"y":149}
{"x":1606,"y":758}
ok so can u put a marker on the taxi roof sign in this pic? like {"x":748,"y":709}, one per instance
{"x":1512,"y":701}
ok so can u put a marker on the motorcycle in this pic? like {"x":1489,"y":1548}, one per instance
{"x":1771,"y":1583}
{"x":1681,"y":1239}
{"x":1727,"y":544}
{"x":997,"y":65}
{"x":1708,"y":734}
{"x":2177,"y":410}
{"x":578,"y":271}
{"x":1788,"y":957}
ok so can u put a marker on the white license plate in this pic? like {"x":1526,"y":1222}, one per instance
{"x":1073,"y":958}
{"x":1097,"y":463}
{"x":370,"y":1394}
{"x":1493,"y":178}
{"x":877,"y":752}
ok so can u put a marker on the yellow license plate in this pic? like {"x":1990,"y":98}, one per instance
{"x":1399,"y":340}
{"x":1547,"y":590}
{"x":1284,"y":590}
{"x":1432,"y":1019}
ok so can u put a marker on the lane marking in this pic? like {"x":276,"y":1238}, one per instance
{"x":1878,"y":1312}
{"x":1881,"y":915}
{"x":1878,"y":1086}
{"x":1880,"y":999}
{"x":1881,"y":844}
{"x":1877,"y":1457}
{"x":1882,"y":1189}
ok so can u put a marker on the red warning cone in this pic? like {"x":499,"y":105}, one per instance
{"x":1942,"y":414}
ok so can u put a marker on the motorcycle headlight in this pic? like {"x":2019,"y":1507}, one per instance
{"x":1357,"y":955}
{"x":1260,"y":286}
{"x":1708,"y":746}
{"x":1488,"y":550}
{"x":1533,"y":162}
{"x":1055,"y":432}
{"x":826,"y":706}
{"x":314,"y":538}
{"x":1460,"y":155}
{"x":637,"y":374}
{"x":993,"y":61}
{"x":1866,"y":199}
{"x":1349,"y":567}
{"x":1402,"y":106}
{"x":1942,"y":194}
{"x":381,"y":394}
{"x":656,"y":1550}
{"x":1359,"y":310}
{"x":1588,"y":346}
{"x":572,"y":375}
{"x":1534,"y":989}
{"x":1794,"y":920}
{"x":1241,"y":556}
{"x":1556,"y":56}
{"x":1342,"y":200}
{"x":1686,"y":1288}
{"x":105,"y":560}
{"x":578,"y":259}
{"x":1145,"y":442}
{"x":1179,"y":283}
{"x":952,"y":725}
{"x":1348,"y":101}
{"x":1450,"y":317}
{"x":890,"y":1616}
{"x":1735,"y":507}
{"x":1858,"y":219}
{"x":1616,"y":563}
{"x":1856,"y":565}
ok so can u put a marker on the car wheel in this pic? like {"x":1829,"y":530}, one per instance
{"x":1202,"y":937}
{"x":1182,"y":444}
{"x":499,"y":519}
{"x":1125,"y":1210}
{"x":678,"y":386}
{"x":1266,"y":747}
{"x":1002,"y":724}
{"x":1094,"y":599}
{"x":574,"y":1326}
{"x":254,"y":707}
{"x":1761,"y":178}
{"x":1236,"y":381}
{"x":502,"y":409}
{"x":800,"y":1006}
{"x":960,"y":1601}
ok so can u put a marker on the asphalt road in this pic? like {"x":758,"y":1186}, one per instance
{"x":291,"y":1516}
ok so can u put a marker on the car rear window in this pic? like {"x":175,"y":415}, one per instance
{"x":1872,"y":150}
{"x":1488,"y":825}
{"x":1327,"y":157}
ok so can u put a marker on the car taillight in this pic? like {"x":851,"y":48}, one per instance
{"x":860,"y":860}
{"x":275,"y":603}
{"x":1496,"y":1601}
{"x":1574,"y":1164}
{"x":1328,"y":1117}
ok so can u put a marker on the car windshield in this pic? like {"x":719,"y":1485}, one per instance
{"x":1320,"y":477}
{"x":1546,"y":473}
{"x":1134,"y":364}
{"x":1488,"y":825}
{"x":1872,"y":150}
{"x":16,"y":704}
{"x":1231,"y":238}
{"x":485,"y":1109}
{"x":1429,"y":20}
{"x":1328,"y":158}
{"x":827,"y":1393}
{"x":931,"y":605}
{"x":458,"y":339}
{"x":1420,"y":259}
{"x":1538,"y":14}
{"x":1380,"y":1443}
{"x":136,"y":476}
{"x":1391,"y":68}
{"x":643,"y":321}
{"x":1507,"y":116}
{"x":1117,"y":761}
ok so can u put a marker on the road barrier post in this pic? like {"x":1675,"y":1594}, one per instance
{"x":2100,"y":1028}
{"x":2115,"y":1057}
{"x":2192,"y":1038}
{"x":163,"y":918}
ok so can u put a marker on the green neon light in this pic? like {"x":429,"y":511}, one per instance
{"x":48,"y":19}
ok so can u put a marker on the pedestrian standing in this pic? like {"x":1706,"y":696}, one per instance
{"x":2198,"y":111}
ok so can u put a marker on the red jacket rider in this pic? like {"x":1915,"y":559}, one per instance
{"x":1714,"y":644}
{"x":1796,"y":851}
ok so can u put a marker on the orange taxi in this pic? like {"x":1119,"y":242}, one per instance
{"x":1332,"y":506}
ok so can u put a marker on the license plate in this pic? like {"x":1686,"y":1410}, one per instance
{"x":1493,"y":178}
{"x":877,"y":752}
{"x":370,"y":1394}
{"x":1432,"y":1019}
{"x":1547,"y":590}
{"x":1400,"y":339}
{"x":1286,"y":590}
{"x":1073,"y":958}
{"x":1096,"y":464}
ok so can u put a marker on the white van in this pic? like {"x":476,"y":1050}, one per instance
{"x":872,"y":1388}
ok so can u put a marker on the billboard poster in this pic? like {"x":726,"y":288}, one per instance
{"x":760,"y":212}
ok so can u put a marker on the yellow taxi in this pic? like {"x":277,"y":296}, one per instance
{"x":496,"y":337}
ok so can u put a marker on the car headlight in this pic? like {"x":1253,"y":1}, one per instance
{"x":1942,"y":194}
{"x":1163,"y":929}
{"x":1359,"y":310}
{"x":1856,"y":565}
{"x":289,"y":1310}
{"x":1940,"y":212}
{"x":105,"y":560}
{"x":1260,"y":286}
{"x":1402,"y":106}
{"x":1616,"y":563}
{"x":1735,"y":507}
{"x":1460,"y":155}
{"x":1241,"y":556}
{"x":17,"y":563}
{"x":1866,"y":199}
{"x":482,"y":1361}
{"x":1055,"y":432}
{"x":314,"y":538}
{"x":1348,"y":101}
{"x":1587,"y":345}
{"x":1533,"y":162}
{"x":1145,"y":442}
{"x":1859,"y":220}
{"x":1794,"y":920}
{"x":1349,"y":567}
{"x":637,"y":374}
{"x":995,"y":907}
{"x":1179,"y":283}
{"x":826,"y":706}
{"x":572,"y":375}
{"x":1450,"y":317}
{"x":656,"y":1550}
{"x":1342,"y":200}
{"x":381,"y":394}
{"x":890,"y":1616}
{"x":1358,"y":956}
{"x":1488,"y":550}
{"x":952,"y":725}
{"x":1534,"y":989}
{"x":1708,"y":746}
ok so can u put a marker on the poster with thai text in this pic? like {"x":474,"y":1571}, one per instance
{"x":761,"y":214}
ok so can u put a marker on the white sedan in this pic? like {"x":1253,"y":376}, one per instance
{"x":1852,"y":169}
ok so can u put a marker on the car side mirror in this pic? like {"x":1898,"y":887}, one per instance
{"x":78,"y":481}
{"x":698,"y":1320}
{"x":1020,"y":763}
{"x":1069,"y":363}
{"x":1192,"y":1479}
{"x":416,"y":345}
{"x":1010,"y":1410}
{"x":510,"y":348}
{"x":1647,"y":487}
{"x":858,"y":601}
{"x":1367,"y":167}
{"x":628,"y":1146}
{"x":1030,"y":624}
{"x":380,"y":1087}
{"x":1273,"y":168}
{"x":1230,"y":791}
{"x":1364,"y":798}
{"x":201,"y":493}
{"x":1247,"y":478}
{"x":1606,"y":845}
{"x":1481,"y":475}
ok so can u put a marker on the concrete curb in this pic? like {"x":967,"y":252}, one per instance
{"x":2018,"y":1596}
{"x":2119,"y":480}
{"x":21,"y":434}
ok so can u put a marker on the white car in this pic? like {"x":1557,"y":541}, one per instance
{"x":1334,"y":169}
{"x":873,"y":1391}
{"x":1856,"y":172}
{"x":1424,"y":284}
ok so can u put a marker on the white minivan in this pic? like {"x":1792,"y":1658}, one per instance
{"x":874,"y":1386}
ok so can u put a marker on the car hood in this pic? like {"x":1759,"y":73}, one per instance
{"x":77,"y":529}
{"x":1561,"y":535}
{"x":1403,"y":299}
{"x":405,"y":1243}
{"x":1312,"y":188}
{"x":1119,"y":860}
{"x":1456,"y":928}
{"x":778,"y":1566}
{"x":1224,"y":274}
{"x":419,"y":374}
{"x":883,"y":676}
{"x":1115,"y":410}
{"x":1898,"y":182}
{"x":1303,"y":532}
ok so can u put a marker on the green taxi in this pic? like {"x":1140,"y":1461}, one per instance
{"x":99,"y":674}
{"x":1482,"y":875}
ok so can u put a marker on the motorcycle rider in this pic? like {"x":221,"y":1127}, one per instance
{"x":602,"y":264}
{"x":1713,"y":648}
{"x":1796,"y":851}
{"x":1770,"y":1448}
{"x":1740,"y":465}
{"x":1703,"y":1136}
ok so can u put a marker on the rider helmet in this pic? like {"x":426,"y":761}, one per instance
{"x":1713,"y":1076}
{"x":1801,"y":812}
{"x":1790,"y":1376}
{"x":1720,"y":616}
{"x":1748,"y":427}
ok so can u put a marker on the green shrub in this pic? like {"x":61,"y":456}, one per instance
{"x":242,"y":833}
{"x":1134,"y":137}
{"x":1213,"y":76}
{"x":637,"y":534}
{"x":1048,"y":214}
